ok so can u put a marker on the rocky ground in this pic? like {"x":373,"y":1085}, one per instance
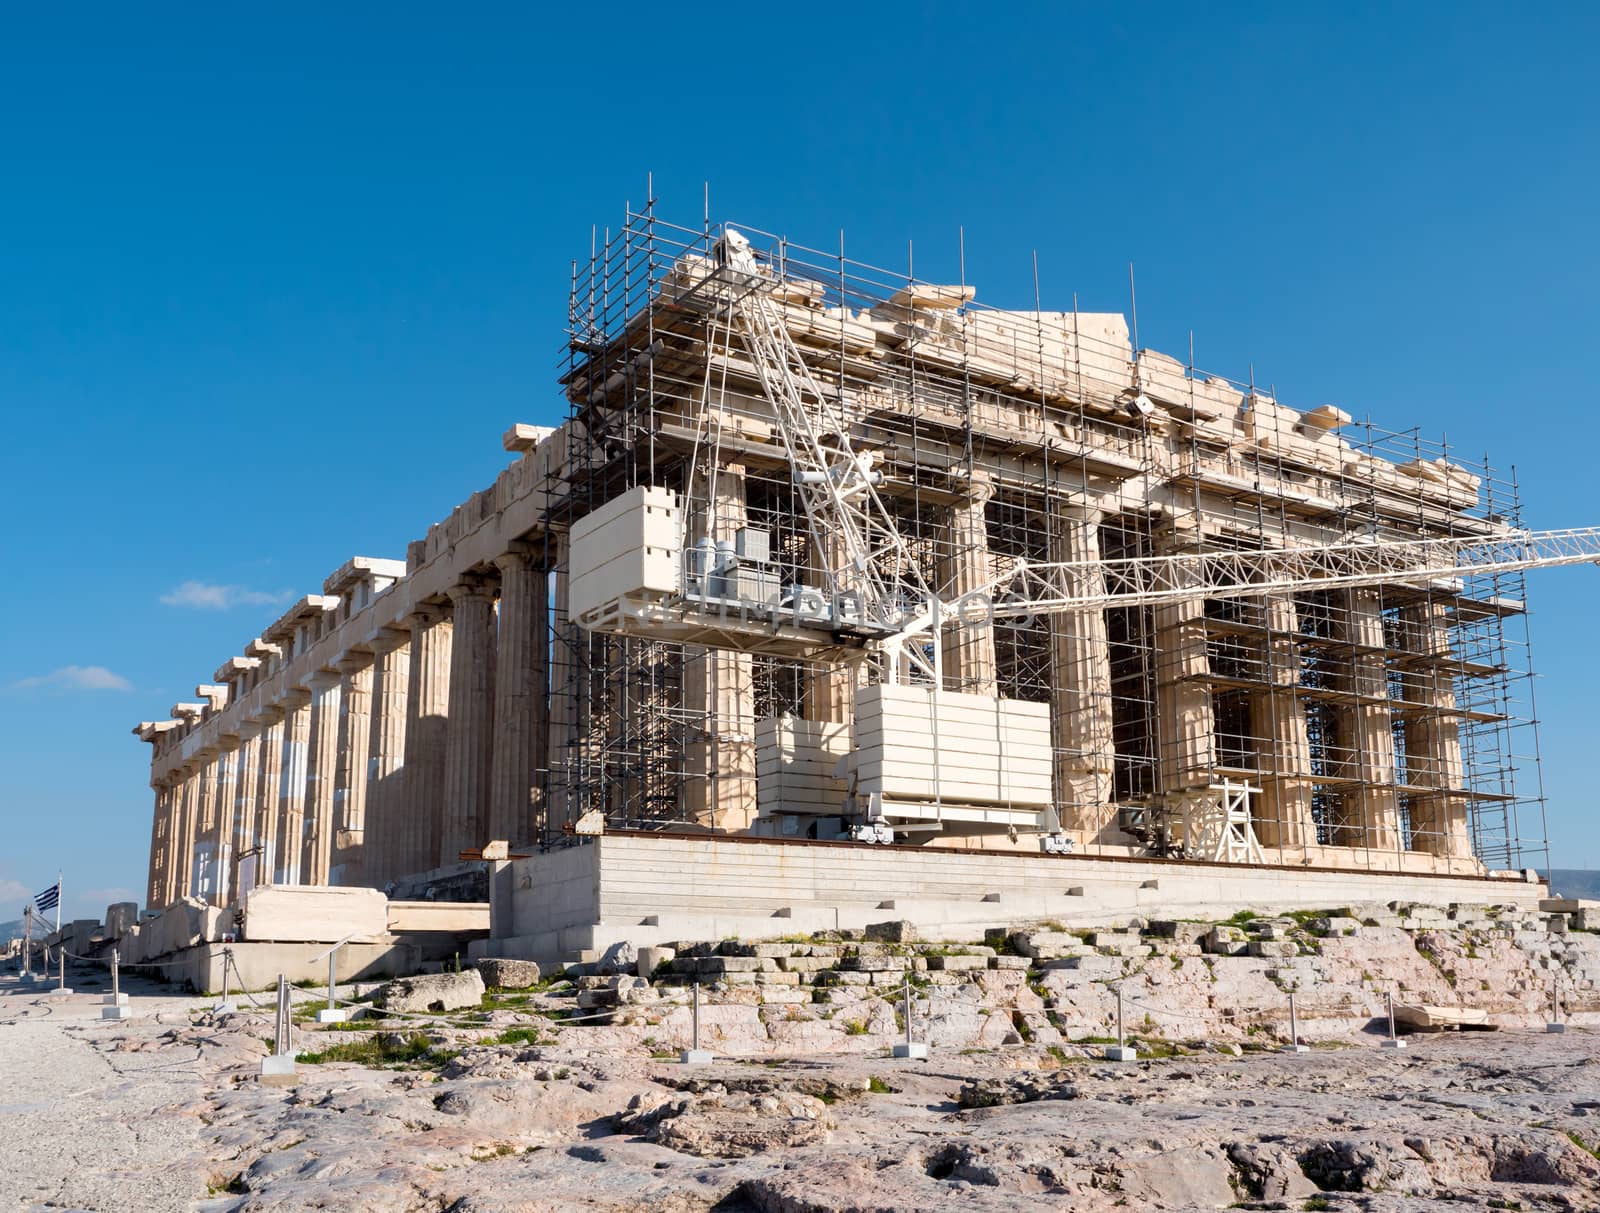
{"x":510,"y":1102}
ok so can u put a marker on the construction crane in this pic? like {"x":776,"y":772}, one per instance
{"x":874,"y":601}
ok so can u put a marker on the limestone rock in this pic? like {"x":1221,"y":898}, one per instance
{"x":431,"y":992}
{"x":508,"y":974}
{"x":620,"y":957}
{"x":897,"y":931}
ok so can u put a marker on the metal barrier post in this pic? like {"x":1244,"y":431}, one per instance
{"x":226,"y":1005}
{"x":694,"y":1055}
{"x":116,"y":1002}
{"x":61,"y":970}
{"x":1294,"y":1045}
{"x":279,"y":1067}
{"x":1555,"y":1024}
{"x":911,"y":1049}
{"x":1120,"y":1051}
{"x":1393,"y":1041}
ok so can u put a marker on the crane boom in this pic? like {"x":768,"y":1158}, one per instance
{"x":1029,"y":588}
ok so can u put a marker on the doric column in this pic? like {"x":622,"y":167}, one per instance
{"x":227,"y":794}
{"x":203,"y":865}
{"x":1282,"y":810}
{"x":350,"y":771}
{"x":180,"y":853}
{"x":828,"y":691}
{"x":967,"y":645}
{"x":162,"y":821}
{"x":247,"y":785}
{"x":1439,"y":820}
{"x":1183,"y":701}
{"x":428,"y":706}
{"x":383,"y":839}
{"x":321,"y":767}
{"x":561,"y":750}
{"x":1080,"y":685}
{"x":292,"y":787}
{"x":1368,"y":725}
{"x":267,"y":792}
{"x":469,"y":736}
{"x":719,"y":686}
{"x":521,"y":715}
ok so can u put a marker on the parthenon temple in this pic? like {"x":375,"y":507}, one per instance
{"x":510,"y":680}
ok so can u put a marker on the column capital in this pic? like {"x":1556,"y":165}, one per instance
{"x":352,"y":661}
{"x":294,"y":699}
{"x":322,"y":680}
{"x":472,"y":586}
{"x":389,"y":638}
{"x":519,"y":554}
{"x":426,"y":614}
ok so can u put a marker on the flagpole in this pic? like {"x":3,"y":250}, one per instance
{"x":58,"y":901}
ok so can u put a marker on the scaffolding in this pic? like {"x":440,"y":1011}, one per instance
{"x":1373,"y":720}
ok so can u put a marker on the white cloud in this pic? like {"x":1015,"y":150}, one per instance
{"x":206,"y":596}
{"x":13,"y":892}
{"x":76,"y":678}
{"x":98,"y":899}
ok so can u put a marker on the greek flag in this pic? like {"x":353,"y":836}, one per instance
{"x":49,"y":899}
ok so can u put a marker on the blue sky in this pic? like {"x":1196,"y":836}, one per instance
{"x":271,"y":289}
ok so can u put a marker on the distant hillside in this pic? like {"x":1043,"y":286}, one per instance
{"x":1575,"y":882}
{"x":11,"y":930}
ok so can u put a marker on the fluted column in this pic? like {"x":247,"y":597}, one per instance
{"x":828,"y":692}
{"x":383,"y":840}
{"x":181,"y":855}
{"x":521,"y":715}
{"x":226,"y":793}
{"x":1183,"y":701}
{"x":267,"y":792}
{"x":321,"y":762}
{"x":469,"y":736}
{"x":561,"y":749}
{"x":1439,"y":820}
{"x":428,"y":707}
{"x":203,"y":867}
{"x":1283,"y":816}
{"x":1080,"y":684}
{"x":247,"y":783}
{"x":162,"y":820}
{"x":719,"y":686}
{"x":350,"y":772}
{"x":966,"y":646}
{"x":292,"y":787}
{"x":1369,"y":726}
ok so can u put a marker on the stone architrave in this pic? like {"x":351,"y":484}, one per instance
{"x":469,"y":736}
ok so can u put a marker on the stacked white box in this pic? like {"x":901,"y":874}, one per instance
{"x":914,"y":743}
{"x":795,"y":764}
{"x":629,"y":547}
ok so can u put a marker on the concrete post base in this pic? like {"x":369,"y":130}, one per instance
{"x":225,"y":1008}
{"x":117,"y":1011}
{"x":1555,"y":1027}
{"x":915,"y":1051}
{"x":1392,"y":1044}
{"x":695,"y":1057}
{"x":333,"y":1015}
{"x":1295,"y":1049}
{"x":1121,"y":1053}
{"x":57,"y":992}
{"x":278,"y":1070}
{"x":115,"y":1000}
